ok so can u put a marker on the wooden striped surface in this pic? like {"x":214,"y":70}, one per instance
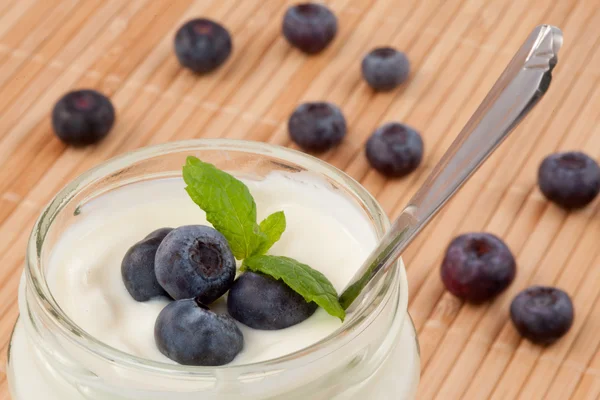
{"x":457,"y":48}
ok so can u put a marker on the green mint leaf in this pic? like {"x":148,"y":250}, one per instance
{"x":273,"y":227}
{"x":228,"y":204}
{"x":307,"y":282}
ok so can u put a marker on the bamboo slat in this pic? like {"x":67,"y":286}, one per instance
{"x":457,"y":50}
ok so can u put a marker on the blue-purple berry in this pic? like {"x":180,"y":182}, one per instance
{"x":317,"y":126}
{"x":83,"y":117}
{"x":385,"y":68}
{"x":477,"y":267}
{"x":395,"y":150}
{"x":569,"y":179}
{"x":542,"y":314}
{"x":195,"y":261}
{"x":309,"y":27}
{"x":202,"y":45}
{"x":137,"y":267}
{"x":187,"y":332}
{"x":262,"y":302}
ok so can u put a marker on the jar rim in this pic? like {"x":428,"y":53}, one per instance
{"x":357,"y":322}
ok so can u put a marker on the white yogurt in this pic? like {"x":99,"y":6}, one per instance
{"x":324,"y":230}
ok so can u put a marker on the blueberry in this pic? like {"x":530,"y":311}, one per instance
{"x":317,"y":127}
{"x":310,"y":27}
{"x":202,"y":45}
{"x":477,"y":267}
{"x":262,"y":302}
{"x":189,"y":333}
{"x":542,"y":314}
{"x":159,"y":233}
{"x":570,"y":179}
{"x":385,"y":68}
{"x":395,"y":150}
{"x":137,"y":267}
{"x":195,"y":261}
{"x":82,"y":117}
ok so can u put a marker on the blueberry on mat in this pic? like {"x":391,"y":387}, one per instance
{"x":542,"y":314}
{"x":395,"y":150}
{"x":477,"y":267}
{"x":569,"y":179}
{"x":202,"y":45}
{"x":385,"y":68}
{"x":309,"y":27}
{"x":82,"y":117}
{"x":189,"y":333}
{"x":262,"y":302}
{"x":137,"y":267}
{"x":317,"y":126}
{"x":195,"y":261}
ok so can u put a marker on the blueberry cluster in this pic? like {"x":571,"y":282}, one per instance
{"x":320,"y":126}
{"x":479,"y":266}
{"x":201,"y":45}
{"x":194,"y":266}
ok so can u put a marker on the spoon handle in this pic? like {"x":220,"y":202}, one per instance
{"x":522,"y":84}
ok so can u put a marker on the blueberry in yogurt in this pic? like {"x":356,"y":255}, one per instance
{"x":262,"y":302}
{"x":137,"y":267}
{"x":189,"y":333}
{"x":195,"y":261}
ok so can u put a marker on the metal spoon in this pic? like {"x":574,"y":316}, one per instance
{"x":522,"y":84}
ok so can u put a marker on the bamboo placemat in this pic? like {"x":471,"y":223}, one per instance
{"x":457,"y":48}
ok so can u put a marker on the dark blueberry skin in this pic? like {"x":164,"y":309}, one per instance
{"x":189,"y":333}
{"x":83,"y":117}
{"x":262,"y":302}
{"x":309,"y":27}
{"x":477,"y":267}
{"x":385,"y":68}
{"x":317,"y":127}
{"x":195,"y":261}
{"x":570,"y":179}
{"x":137,"y":267}
{"x":542,"y":314}
{"x":395,"y":150}
{"x":202,"y":45}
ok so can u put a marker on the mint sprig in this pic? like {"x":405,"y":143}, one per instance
{"x":231,"y":209}
{"x":273,"y":227}
{"x":228,"y":204}
{"x":307,"y":282}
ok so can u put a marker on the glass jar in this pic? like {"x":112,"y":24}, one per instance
{"x":374,"y":353}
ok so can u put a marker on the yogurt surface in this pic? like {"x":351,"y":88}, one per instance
{"x":324,"y":230}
